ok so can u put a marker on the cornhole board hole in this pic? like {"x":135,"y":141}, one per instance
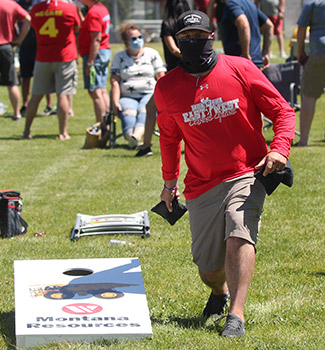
{"x":82,"y":300}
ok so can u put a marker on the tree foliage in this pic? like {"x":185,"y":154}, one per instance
{"x":124,"y":8}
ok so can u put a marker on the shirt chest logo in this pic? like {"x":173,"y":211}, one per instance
{"x":208,"y":110}
{"x":204,"y":86}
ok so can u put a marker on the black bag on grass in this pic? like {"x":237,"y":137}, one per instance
{"x":11,"y":222}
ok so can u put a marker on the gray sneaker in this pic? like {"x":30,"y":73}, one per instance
{"x":234,"y":327}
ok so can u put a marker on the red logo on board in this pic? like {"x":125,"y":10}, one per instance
{"x":82,"y":309}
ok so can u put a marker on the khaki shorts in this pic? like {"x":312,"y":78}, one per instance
{"x":230,"y":209}
{"x":313,"y":76}
{"x":59,"y":77}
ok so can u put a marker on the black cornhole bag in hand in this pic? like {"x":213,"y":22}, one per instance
{"x":179,"y":210}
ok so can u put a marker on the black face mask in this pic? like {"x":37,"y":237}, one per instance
{"x":198,"y":55}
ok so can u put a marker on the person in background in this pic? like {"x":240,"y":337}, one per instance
{"x":242,"y":24}
{"x":78,"y":4}
{"x":173,"y":9}
{"x":215,"y":11}
{"x":27,"y":54}
{"x":55,"y":70}
{"x":293,"y":44}
{"x":172,"y":54}
{"x":95,"y":50}
{"x":313,"y":77}
{"x":274,"y":10}
{"x":49,"y":98}
{"x":10,"y":14}
{"x":201,"y":5}
{"x":134,"y":72}
{"x":213,"y":103}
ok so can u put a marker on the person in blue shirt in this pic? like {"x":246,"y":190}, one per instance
{"x":242,"y":24}
{"x":313,"y":77}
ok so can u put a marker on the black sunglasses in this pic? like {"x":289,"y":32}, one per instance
{"x":134,"y":38}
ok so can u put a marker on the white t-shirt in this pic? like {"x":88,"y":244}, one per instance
{"x":137,"y":76}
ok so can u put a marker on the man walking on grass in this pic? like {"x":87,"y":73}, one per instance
{"x":214,"y":104}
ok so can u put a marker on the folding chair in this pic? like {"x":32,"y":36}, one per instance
{"x":286,"y":78}
{"x":112,"y":135}
{"x":113,"y":119}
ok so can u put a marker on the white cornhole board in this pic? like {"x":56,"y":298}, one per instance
{"x":79,"y":300}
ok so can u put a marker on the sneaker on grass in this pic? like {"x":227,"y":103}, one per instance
{"x":234,"y":327}
{"x":216,"y":305}
{"x":23,"y":110}
{"x":133,"y":142}
{"x":47,"y":111}
{"x":144,"y":152}
{"x":16,"y":117}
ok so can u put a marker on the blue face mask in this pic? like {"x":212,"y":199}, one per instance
{"x":136,"y":43}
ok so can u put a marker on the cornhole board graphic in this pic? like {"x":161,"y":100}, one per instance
{"x":79,"y":300}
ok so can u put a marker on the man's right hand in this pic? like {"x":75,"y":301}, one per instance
{"x":116,"y":108}
{"x":266,"y":61}
{"x":302,"y":58}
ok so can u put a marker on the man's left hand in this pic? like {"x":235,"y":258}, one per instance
{"x":168,"y":196}
{"x":273,"y":161}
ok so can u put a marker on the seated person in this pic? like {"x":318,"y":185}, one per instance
{"x":134,"y":72}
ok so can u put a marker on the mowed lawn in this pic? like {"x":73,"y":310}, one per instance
{"x":57,"y":180}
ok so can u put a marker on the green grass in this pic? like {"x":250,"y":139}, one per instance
{"x":285,"y":304}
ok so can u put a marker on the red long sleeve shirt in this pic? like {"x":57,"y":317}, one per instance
{"x":219,"y":118}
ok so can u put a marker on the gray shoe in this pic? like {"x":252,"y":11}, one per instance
{"x":234,"y":327}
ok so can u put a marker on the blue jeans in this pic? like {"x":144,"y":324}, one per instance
{"x":101,"y":62}
{"x":137,"y":117}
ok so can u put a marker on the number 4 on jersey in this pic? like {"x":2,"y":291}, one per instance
{"x":48,"y":28}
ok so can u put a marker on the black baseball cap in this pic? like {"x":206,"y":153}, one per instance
{"x":193,"y":19}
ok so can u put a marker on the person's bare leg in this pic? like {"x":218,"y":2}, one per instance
{"x":70,"y":99}
{"x":239,"y":268}
{"x":30,"y":114}
{"x":281,"y":45}
{"x":14,"y":96}
{"x":63,"y":114}
{"x":306,"y":117}
{"x":49,"y":101}
{"x":151,"y":111}
{"x":99,"y":104}
{"x":138,"y":132}
{"x":25,"y":90}
{"x":105,"y":99}
{"x":216,"y":280}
